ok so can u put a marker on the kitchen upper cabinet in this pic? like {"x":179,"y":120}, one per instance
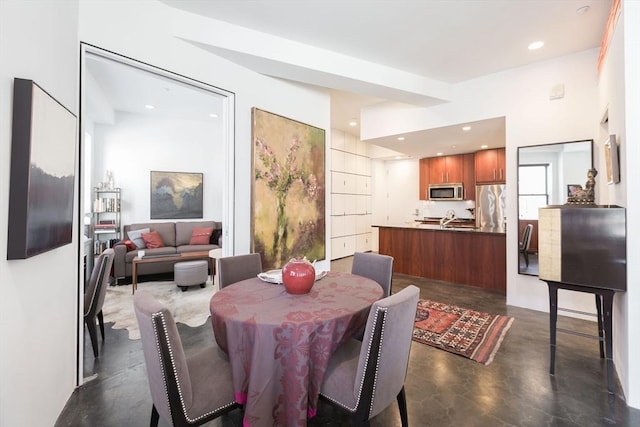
{"x":469,"y":177}
{"x":454,"y":169}
{"x":490,"y":166}
{"x":446,"y":169}
{"x":424,"y":179}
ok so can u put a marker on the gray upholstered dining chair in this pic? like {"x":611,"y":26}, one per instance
{"x":375,"y":267}
{"x":525,"y":243}
{"x":363,"y":378}
{"x":186,"y":391}
{"x":94,"y":297}
{"x":233,"y":269}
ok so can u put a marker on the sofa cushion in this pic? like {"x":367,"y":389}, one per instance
{"x":215,"y":237}
{"x":136,"y":237}
{"x":201,"y":236}
{"x":153,"y":240}
{"x":185,"y":228}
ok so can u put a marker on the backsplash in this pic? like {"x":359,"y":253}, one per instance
{"x":438,"y":209}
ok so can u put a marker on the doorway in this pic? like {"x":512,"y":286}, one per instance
{"x":136,"y":118}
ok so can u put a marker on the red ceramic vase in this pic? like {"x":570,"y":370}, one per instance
{"x":298,"y":276}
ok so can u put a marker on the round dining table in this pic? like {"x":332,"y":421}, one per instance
{"x":279,"y":344}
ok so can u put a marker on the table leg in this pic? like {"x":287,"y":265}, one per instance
{"x":553,"y":318}
{"x":134,"y":277}
{"x":607,"y":308}
{"x":212,"y":266}
{"x":600,"y":325}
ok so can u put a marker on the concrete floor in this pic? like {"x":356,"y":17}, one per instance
{"x":442,"y":389}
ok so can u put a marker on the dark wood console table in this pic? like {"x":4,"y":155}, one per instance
{"x":604,"y":307}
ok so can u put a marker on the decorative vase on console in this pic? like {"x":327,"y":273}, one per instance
{"x":298,"y":276}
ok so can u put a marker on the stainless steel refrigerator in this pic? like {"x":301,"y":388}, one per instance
{"x":491,"y":206}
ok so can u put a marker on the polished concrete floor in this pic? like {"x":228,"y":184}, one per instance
{"x":442,"y":389}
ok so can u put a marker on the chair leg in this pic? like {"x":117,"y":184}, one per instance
{"x":402,"y":405}
{"x":526,"y":258}
{"x":357,"y":422}
{"x":91,"y":326}
{"x":101,"y":322}
{"x":155,"y":417}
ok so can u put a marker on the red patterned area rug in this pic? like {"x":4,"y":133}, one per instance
{"x":472,"y":334}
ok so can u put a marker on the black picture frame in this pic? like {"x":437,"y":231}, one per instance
{"x":176,"y":195}
{"x":42,"y":176}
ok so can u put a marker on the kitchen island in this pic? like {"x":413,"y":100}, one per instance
{"x":470,"y":256}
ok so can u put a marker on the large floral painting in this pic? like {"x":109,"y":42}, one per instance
{"x":288,"y":203}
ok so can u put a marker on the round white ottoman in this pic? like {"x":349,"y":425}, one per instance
{"x":190,"y":273}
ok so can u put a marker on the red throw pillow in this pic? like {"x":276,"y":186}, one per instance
{"x":152,"y":240}
{"x":200,"y":236}
{"x":129,"y":244}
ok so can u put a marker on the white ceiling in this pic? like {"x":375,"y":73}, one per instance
{"x":448,"y":41}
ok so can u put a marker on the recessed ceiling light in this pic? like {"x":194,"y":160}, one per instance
{"x":438,"y":154}
{"x":149,"y":107}
{"x":536,"y":45}
{"x":398,"y":157}
{"x":213,"y":115}
{"x":401,"y":138}
{"x":353,"y":122}
{"x":466,"y":128}
{"x":484,"y":146}
{"x":582,"y":10}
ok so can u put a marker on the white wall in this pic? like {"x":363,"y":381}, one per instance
{"x":145,"y":31}
{"x":38,"y":310}
{"x":137,"y":144}
{"x":618,"y":90}
{"x":522,"y":96}
{"x":631,"y":176}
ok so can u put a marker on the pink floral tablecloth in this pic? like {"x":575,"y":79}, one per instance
{"x":279,"y":344}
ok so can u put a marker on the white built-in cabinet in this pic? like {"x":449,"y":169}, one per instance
{"x":350,"y":195}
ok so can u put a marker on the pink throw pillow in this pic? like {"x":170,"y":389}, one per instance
{"x":152,"y":240}
{"x":200,"y":236}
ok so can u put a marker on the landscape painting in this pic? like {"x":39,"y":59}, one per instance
{"x":42,"y":176}
{"x":176,"y":195}
{"x":288,"y":203}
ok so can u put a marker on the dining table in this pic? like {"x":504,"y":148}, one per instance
{"x":279,"y":344}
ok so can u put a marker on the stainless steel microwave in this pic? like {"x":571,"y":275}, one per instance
{"x":446,"y":192}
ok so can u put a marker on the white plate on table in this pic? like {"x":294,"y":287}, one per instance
{"x":275,"y":276}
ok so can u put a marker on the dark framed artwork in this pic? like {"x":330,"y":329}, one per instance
{"x":288,"y":191}
{"x":572,"y":189}
{"x":176,"y":195}
{"x":42,"y":177}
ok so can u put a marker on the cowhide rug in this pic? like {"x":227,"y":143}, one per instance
{"x":190,"y":307}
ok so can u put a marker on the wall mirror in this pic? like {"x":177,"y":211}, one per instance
{"x":547,"y":174}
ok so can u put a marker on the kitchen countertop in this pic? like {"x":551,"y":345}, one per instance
{"x":436,"y":227}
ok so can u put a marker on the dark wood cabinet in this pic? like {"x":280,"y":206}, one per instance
{"x":446,"y":169}
{"x":471,"y":258}
{"x":424,"y":179}
{"x":490,"y":166}
{"x":469,"y":176}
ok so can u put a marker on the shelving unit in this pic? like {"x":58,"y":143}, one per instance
{"x":350,"y":195}
{"x":106,"y":218}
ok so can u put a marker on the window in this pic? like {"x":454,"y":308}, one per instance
{"x":532,"y":189}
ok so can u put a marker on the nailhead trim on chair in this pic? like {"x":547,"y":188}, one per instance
{"x":382,"y":310}
{"x":184,"y":409}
